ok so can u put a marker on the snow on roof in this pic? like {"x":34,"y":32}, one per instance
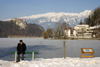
{"x":98,"y":26}
{"x":82,"y":25}
{"x":91,"y":27}
{"x":87,"y":33}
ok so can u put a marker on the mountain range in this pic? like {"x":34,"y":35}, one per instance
{"x":48,"y":19}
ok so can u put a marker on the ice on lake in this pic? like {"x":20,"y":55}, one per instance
{"x":48,"y":48}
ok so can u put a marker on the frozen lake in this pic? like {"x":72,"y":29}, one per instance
{"x":48,"y":48}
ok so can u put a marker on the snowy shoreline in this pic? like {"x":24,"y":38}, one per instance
{"x":55,"y":62}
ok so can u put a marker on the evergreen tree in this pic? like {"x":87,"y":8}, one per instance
{"x":93,"y":19}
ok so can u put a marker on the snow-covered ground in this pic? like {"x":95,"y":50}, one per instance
{"x":55,"y":62}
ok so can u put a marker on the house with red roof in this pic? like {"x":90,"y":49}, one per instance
{"x":69,"y":31}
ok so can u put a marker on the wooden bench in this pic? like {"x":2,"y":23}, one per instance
{"x":25,"y":53}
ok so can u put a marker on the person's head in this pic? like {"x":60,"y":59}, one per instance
{"x":21,"y":41}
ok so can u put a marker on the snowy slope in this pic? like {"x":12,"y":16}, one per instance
{"x":55,"y":62}
{"x":47,"y":19}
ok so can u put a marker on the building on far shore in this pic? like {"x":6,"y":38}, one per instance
{"x":81,"y":31}
{"x":95,"y":31}
{"x":69,"y":32}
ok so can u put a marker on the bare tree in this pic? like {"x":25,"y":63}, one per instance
{"x":63,"y":26}
{"x":59,"y":28}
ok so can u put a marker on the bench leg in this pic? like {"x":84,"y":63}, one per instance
{"x":32,"y":56}
{"x":15,"y":56}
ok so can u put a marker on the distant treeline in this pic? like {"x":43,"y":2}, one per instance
{"x":9,"y":28}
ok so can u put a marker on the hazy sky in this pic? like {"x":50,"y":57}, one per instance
{"x":19,"y":8}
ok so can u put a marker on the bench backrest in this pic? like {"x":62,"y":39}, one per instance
{"x":26,"y":52}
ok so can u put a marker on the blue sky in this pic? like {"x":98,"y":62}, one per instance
{"x":20,"y":8}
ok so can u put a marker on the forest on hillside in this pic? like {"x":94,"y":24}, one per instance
{"x":94,"y":18}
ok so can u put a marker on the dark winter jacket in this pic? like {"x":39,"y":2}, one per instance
{"x":21,"y":48}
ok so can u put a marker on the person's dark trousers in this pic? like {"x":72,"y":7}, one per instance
{"x":18,"y":57}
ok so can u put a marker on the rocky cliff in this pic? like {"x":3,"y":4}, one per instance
{"x":18,"y":27}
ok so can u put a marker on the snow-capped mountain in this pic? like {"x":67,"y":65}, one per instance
{"x":48,"y":19}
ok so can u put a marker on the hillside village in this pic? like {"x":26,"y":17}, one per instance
{"x":82,"y":31}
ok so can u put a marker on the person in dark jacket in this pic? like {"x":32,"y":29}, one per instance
{"x":21,"y":48}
